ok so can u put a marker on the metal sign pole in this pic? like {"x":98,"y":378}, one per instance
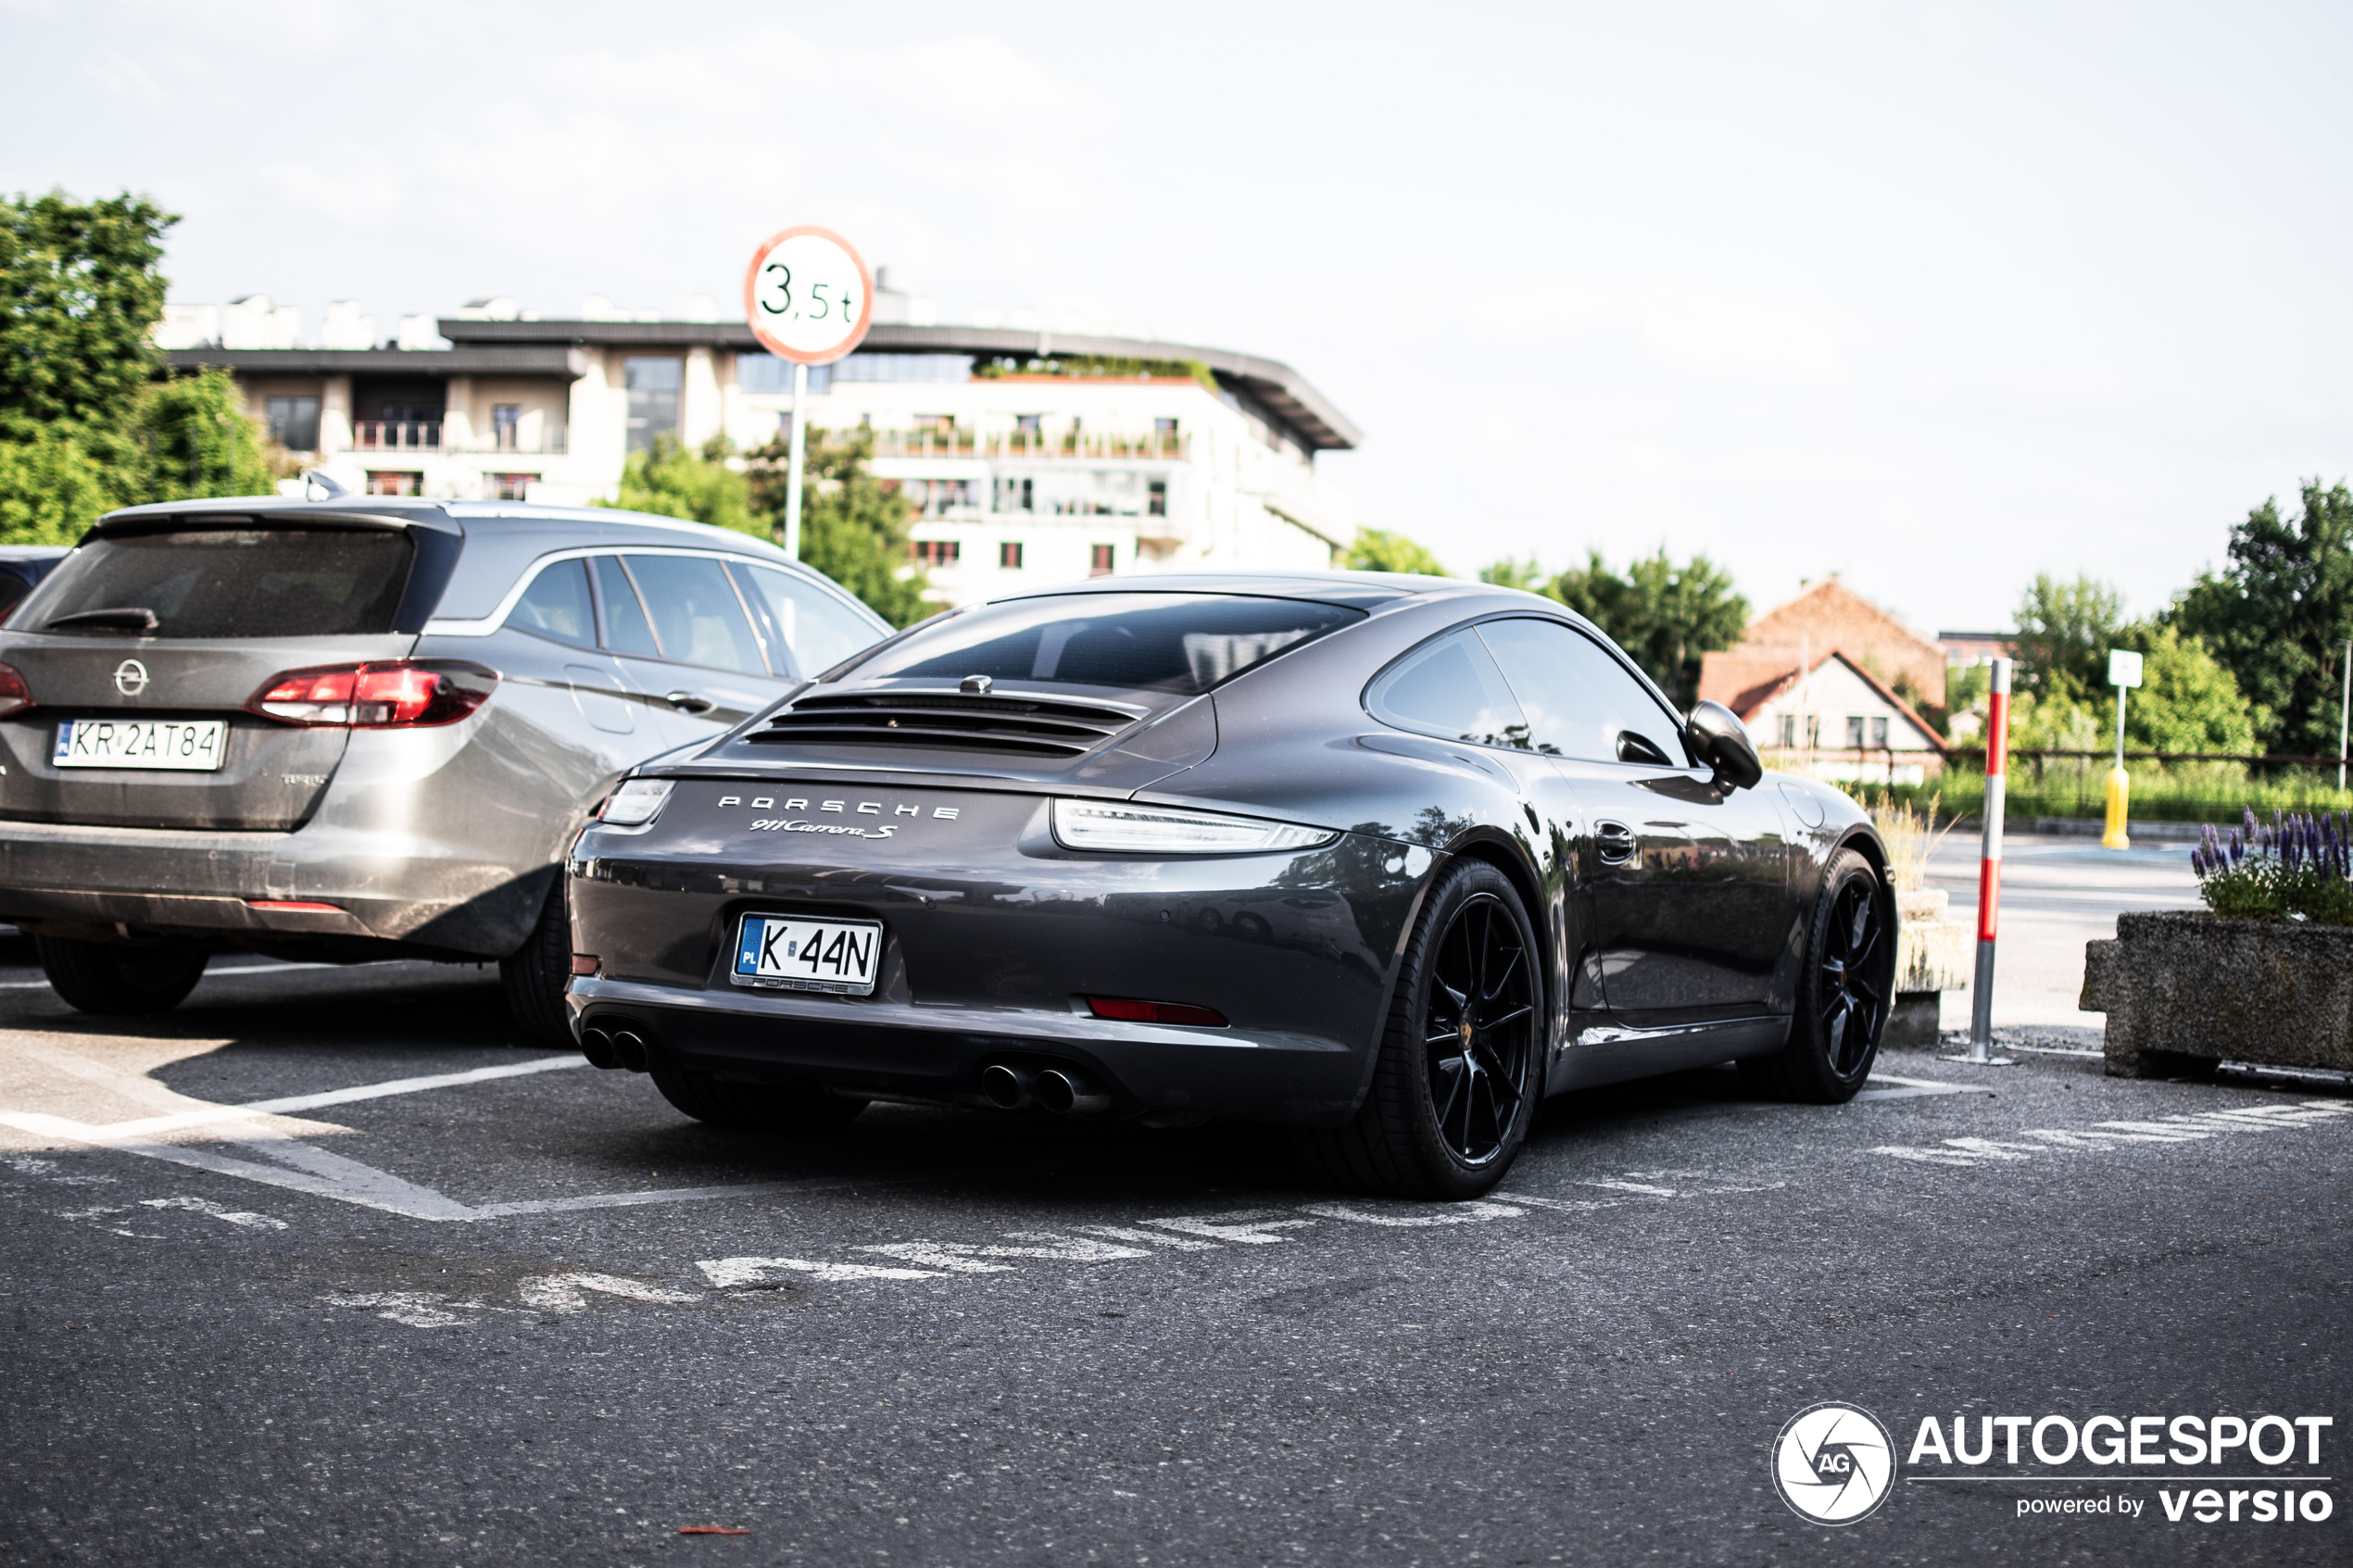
{"x":792,"y":469}
{"x":1989,"y":865}
{"x":2345,"y":717}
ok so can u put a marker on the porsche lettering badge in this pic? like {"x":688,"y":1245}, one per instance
{"x":843,"y":807}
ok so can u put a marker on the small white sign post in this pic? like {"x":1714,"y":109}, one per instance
{"x":809,"y":300}
{"x":2123,"y":673}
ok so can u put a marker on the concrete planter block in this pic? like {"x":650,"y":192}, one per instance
{"x":1932,"y":955}
{"x":2184,"y":990}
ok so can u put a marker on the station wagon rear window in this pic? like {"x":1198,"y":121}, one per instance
{"x":229,"y":582}
{"x":1182,"y":643}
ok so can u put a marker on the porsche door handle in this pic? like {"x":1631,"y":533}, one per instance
{"x":687,"y":702}
{"x":1614,"y":842}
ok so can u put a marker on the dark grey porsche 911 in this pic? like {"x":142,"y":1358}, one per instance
{"x":1385,"y":858}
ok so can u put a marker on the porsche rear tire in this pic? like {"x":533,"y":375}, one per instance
{"x":751,"y":1108}
{"x":120,"y":980}
{"x":533,"y":975}
{"x":1844,"y":993}
{"x":1461,"y":1067}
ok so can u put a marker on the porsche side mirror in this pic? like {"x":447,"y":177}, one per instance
{"x":1720,"y":741}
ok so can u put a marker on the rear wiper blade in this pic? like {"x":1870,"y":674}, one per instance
{"x":131,"y":618}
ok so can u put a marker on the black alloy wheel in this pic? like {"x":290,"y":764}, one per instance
{"x":1477,"y":1027}
{"x":1844,"y":993}
{"x":1461,"y":1064}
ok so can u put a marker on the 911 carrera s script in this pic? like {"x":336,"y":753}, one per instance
{"x":785,"y":952}
{"x":801,"y":824}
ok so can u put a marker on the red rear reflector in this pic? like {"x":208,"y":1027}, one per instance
{"x":374,"y":696}
{"x":583,"y":963}
{"x":1126,"y":1011}
{"x":302,"y":906}
{"x":14,"y":696}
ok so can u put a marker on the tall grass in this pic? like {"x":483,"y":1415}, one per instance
{"x":1908,"y":830}
{"x":2176,"y":792}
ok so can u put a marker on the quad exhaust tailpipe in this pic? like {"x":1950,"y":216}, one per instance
{"x":1068,"y":1092}
{"x":1009,"y":1089}
{"x":1063,"y":1090}
{"x":614,"y":1048}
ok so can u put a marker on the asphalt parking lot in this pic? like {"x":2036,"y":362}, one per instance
{"x":323,"y":1268}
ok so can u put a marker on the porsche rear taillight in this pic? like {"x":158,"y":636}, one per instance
{"x":396,"y":695}
{"x":14,"y":696}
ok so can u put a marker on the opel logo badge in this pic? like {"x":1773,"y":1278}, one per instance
{"x":131,"y":677}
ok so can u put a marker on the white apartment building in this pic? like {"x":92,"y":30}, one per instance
{"x":1021,"y":472}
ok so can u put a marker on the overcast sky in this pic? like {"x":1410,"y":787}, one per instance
{"x":1937,"y":296}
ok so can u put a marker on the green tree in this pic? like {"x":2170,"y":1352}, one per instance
{"x":669,"y":480}
{"x":2186,"y":702}
{"x":79,"y":293}
{"x":853,"y":526}
{"x":1666,"y":616}
{"x":51,"y":489}
{"x":193,"y":437}
{"x":1509,"y":573}
{"x":1377,"y":550}
{"x":2278,"y":615}
{"x":2064,"y":632}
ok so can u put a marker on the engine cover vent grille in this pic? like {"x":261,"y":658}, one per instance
{"x":1002,"y":721}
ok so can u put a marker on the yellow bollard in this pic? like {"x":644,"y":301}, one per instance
{"x":2119,"y":792}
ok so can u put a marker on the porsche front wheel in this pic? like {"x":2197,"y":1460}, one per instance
{"x":1461,"y":1062}
{"x":1843,"y":993}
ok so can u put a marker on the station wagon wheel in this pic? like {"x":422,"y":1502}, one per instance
{"x":1844,"y":991}
{"x":1460,"y":1066}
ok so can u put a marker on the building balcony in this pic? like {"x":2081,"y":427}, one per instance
{"x":384,"y":437}
{"x":1031,"y":444}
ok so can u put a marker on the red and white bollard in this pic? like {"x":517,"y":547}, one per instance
{"x":1989,"y":865}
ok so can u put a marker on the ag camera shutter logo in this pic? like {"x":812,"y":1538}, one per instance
{"x":1833,"y":1463}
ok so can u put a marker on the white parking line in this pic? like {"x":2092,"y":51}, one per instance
{"x":2108,"y":1136}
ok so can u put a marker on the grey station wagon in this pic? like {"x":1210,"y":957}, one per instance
{"x":362,"y":728}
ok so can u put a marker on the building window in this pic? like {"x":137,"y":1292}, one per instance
{"x":761,"y":373}
{"x":1879,"y":734}
{"x":1030,"y":424}
{"x":764,"y":374}
{"x":293,"y":422}
{"x":1854,"y":732}
{"x":1014,"y":495}
{"x":932,"y":498}
{"x":395,"y":482}
{"x":506,"y":426}
{"x":512,"y":486}
{"x":653,"y":399}
{"x":935,"y":552}
{"x":1789,"y":729}
{"x":1164,"y":439}
{"x":1099,"y":563}
{"x":783,"y":427}
{"x":1156,"y":498}
{"x":1009,"y":556}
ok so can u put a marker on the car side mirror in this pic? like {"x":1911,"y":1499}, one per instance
{"x":1720,"y":741}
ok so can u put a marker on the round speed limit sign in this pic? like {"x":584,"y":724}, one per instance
{"x":808,"y":296}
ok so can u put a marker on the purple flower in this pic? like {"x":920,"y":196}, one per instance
{"x":2238,"y":847}
{"x":2197,"y":860}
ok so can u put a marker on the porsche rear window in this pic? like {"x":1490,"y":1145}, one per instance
{"x":1182,"y":643}
{"x":230,"y":583}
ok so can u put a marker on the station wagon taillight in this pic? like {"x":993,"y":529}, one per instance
{"x":14,"y":696}
{"x":391,"y":695}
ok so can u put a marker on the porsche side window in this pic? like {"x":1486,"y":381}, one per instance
{"x":556,"y":605}
{"x":1580,"y":702}
{"x":1450,"y":687}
